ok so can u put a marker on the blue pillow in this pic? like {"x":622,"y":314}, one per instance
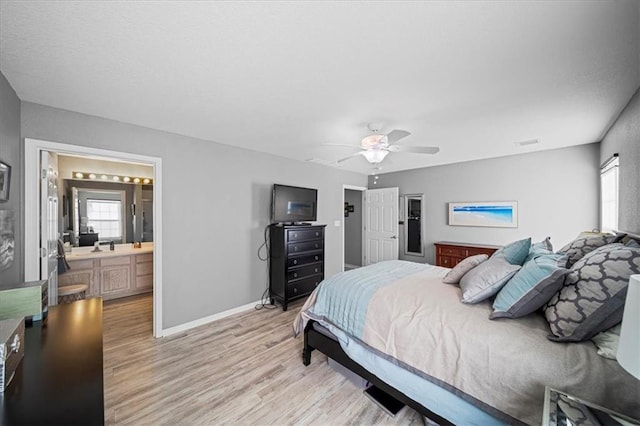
{"x":543,"y":247}
{"x":532,"y":287}
{"x":632,"y":243}
{"x":516,"y":252}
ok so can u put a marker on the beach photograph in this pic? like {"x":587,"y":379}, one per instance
{"x":492,"y":214}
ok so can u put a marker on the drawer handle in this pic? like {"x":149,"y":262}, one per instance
{"x":295,"y":248}
{"x":295,"y":275}
{"x":295,"y":262}
{"x":315,"y":270}
{"x":295,"y":290}
{"x":317,"y":245}
{"x":317,"y":257}
{"x":15,"y":345}
{"x":316,"y":283}
{"x":317,"y":234}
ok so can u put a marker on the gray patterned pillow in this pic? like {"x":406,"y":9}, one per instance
{"x":577,"y":248}
{"x":592,"y":299}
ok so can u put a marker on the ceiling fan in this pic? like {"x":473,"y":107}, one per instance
{"x":376,"y":146}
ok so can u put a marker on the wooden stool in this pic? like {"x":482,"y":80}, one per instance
{"x":71,"y":293}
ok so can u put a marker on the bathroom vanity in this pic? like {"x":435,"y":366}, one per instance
{"x":125,"y":271}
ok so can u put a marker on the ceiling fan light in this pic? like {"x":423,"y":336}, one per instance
{"x":373,"y":140}
{"x":375,"y":155}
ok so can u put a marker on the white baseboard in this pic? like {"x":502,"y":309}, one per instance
{"x":206,"y":320}
{"x":348,"y":265}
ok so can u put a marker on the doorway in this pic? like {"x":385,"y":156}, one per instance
{"x":353,"y":227}
{"x":33,"y":150}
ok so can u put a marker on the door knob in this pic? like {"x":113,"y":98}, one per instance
{"x":393,"y":237}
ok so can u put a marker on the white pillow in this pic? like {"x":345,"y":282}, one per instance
{"x":458,"y":271}
{"x":607,"y":342}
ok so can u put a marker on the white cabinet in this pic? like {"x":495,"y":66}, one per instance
{"x":113,"y":276}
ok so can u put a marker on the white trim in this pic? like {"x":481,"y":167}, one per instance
{"x":353,"y":188}
{"x":32,"y":148}
{"x":211,"y":318}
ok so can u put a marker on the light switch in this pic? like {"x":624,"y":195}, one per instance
{"x":337,"y":223}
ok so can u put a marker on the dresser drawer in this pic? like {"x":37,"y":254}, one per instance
{"x":304,"y":234}
{"x":449,"y":254}
{"x":304,"y":259}
{"x":304,"y":286}
{"x":304,"y":271}
{"x":472,"y":251}
{"x":294,"y":248}
{"x":452,"y":251}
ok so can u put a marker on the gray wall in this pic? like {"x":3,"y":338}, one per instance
{"x":10,"y":153}
{"x":216,"y":204}
{"x":624,"y":138}
{"x":353,"y":229}
{"x":556,"y":191}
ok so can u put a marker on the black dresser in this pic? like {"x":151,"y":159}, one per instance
{"x":60,"y":379}
{"x":296,"y":261}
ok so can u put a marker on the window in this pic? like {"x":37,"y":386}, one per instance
{"x":609,"y":195}
{"x":105,"y":218}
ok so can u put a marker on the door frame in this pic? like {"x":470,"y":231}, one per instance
{"x":363,"y":190}
{"x":32,"y":149}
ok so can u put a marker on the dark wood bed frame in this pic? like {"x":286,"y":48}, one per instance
{"x":313,"y":339}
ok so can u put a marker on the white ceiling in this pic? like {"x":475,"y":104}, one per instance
{"x":472,"y":77}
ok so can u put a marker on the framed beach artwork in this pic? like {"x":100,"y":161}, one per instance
{"x":5,"y":180}
{"x":500,"y":214}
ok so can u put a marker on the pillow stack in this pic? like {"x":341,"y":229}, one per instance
{"x":581,"y":288}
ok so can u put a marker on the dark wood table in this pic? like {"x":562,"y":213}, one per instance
{"x":59,"y":381}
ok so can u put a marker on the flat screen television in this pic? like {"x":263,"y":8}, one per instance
{"x":292,"y":204}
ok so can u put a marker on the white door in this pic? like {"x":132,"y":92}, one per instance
{"x":49,"y":223}
{"x":381,"y":225}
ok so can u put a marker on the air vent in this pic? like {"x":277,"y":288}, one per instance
{"x":529,"y":142}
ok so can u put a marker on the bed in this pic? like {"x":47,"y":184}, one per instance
{"x":399,"y":326}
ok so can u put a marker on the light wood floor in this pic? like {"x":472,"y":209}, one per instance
{"x":245,"y":369}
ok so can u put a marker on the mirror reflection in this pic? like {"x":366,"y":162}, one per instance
{"x":413,"y":228}
{"x":104,"y":212}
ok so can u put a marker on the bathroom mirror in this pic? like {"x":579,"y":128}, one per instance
{"x":122,"y":213}
{"x":413,"y":225}
{"x":100,"y":211}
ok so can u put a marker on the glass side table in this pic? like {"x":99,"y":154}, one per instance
{"x":561,"y":409}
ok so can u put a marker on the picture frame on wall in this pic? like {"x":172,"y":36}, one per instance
{"x":498,"y":214}
{"x":5,"y":180}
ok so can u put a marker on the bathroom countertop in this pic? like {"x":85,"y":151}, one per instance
{"x":82,"y":253}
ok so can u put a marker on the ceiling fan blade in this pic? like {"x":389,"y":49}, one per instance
{"x":351,"y":156}
{"x":396,"y":135}
{"x":414,"y":149}
{"x":343,"y":145}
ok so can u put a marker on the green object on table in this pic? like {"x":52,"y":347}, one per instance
{"x":26,"y":299}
